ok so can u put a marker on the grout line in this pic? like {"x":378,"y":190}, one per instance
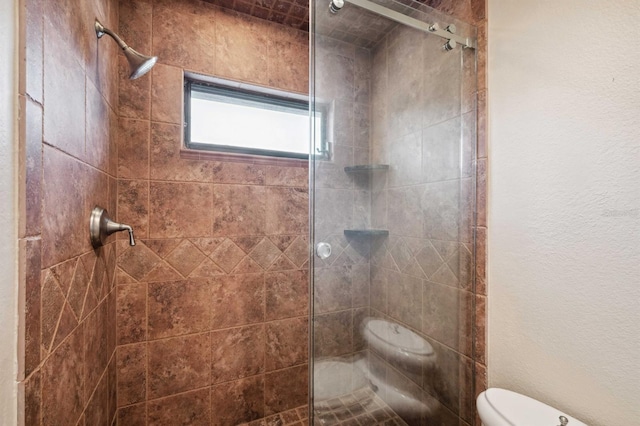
{"x":199,"y":182}
{"x":68,"y":154}
{"x":51,"y":347}
{"x":212,"y":330}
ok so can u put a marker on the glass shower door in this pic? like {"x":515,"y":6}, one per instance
{"x":393,"y":183}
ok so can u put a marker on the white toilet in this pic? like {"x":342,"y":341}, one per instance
{"x":398,"y":344}
{"x":501,"y":407}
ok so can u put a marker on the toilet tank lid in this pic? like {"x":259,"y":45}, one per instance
{"x":521,"y":410}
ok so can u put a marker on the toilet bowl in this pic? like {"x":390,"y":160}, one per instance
{"x":501,"y":407}
{"x":400,"y":345}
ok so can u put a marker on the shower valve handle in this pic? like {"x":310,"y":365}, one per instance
{"x":101,"y":226}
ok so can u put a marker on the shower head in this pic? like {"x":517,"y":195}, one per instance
{"x":139,"y":64}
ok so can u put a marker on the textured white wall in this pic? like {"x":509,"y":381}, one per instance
{"x":8,"y":279}
{"x":564,"y":231}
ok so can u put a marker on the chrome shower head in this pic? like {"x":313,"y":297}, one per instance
{"x":139,"y":64}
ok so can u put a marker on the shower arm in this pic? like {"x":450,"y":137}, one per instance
{"x":102,"y":30}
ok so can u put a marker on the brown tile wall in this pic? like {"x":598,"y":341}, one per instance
{"x":427,"y":283}
{"x":212,"y":304}
{"x":474,"y":11}
{"x":341,"y":282}
{"x":68,"y":129}
{"x":482,"y":170}
{"x":69,"y":304}
{"x":421,"y":275}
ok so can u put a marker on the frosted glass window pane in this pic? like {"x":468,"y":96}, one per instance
{"x":227,"y":121}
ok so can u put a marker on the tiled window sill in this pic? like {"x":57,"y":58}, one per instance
{"x":190,"y":154}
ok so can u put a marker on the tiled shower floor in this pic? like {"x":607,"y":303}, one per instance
{"x":360,"y":408}
{"x":296,"y":417}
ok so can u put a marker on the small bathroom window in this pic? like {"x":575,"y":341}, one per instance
{"x":238,"y":118}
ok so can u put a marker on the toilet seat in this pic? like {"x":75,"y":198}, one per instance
{"x":501,"y":407}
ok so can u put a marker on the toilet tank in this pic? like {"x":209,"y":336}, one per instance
{"x":501,"y":407}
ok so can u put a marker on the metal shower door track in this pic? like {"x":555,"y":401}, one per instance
{"x":469,"y":43}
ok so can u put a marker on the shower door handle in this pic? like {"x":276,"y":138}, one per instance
{"x":323,"y":250}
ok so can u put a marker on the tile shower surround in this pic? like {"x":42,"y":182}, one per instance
{"x":68,"y":130}
{"x":341,"y":282}
{"x":69,"y":307}
{"x":212,"y":304}
{"x":428,"y":254}
{"x":421,"y":274}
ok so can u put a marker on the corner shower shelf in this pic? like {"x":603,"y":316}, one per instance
{"x":366,"y":168}
{"x":366,"y":233}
